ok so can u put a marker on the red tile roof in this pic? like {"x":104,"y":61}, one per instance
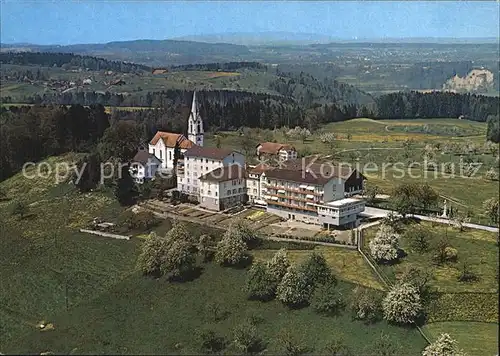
{"x":225,"y":173}
{"x":170,"y":138}
{"x":273,"y":147}
{"x":208,"y":152}
{"x":259,"y":169}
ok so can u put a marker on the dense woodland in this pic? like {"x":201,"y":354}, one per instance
{"x":229,"y":66}
{"x":69,"y":60}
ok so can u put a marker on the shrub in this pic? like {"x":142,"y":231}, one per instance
{"x":417,"y":277}
{"x":260,"y":284}
{"x":20,"y":209}
{"x":316,"y":270}
{"x":443,"y":346}
{"x":402,"y":304}
{"x":293,"y":290}
{"x":204,"y":245}
{"x":467,"y":275}
{"x":216,"y":311}
{"x":231,"y":250}
{"x":444,"y":252}
{"x":385,"y":245}
{"x":327,"y":299}
{"x":143,"y":220}
{"x":366,"y":304}
{"x":289,"y":345}
{"x":209,"y":342}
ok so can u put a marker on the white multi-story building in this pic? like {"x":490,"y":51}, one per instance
{"x":199,"y":161}
{"x":223,"y":188}
{"x":256,"y":183}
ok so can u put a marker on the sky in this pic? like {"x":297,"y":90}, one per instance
{"x":98,"y":21}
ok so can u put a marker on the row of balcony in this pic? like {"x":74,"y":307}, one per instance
{"x":293,"y":190}
{"x":291,"y":206}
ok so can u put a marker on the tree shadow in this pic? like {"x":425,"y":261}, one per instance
{"x":188,"y":276}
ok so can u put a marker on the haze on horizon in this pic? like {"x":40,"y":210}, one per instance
{"x":65,"y":23}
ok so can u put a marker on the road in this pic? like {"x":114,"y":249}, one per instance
{"x":376,"y":212}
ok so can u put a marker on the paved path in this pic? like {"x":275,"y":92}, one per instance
{"x":376,"y":212}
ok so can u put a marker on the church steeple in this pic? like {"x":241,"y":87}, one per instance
{"x":195,"y":124}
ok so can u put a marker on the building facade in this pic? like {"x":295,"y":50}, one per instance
{"x":144,"y":166}
{"x":162,"y":145}
{"x":199,"y":161}
{"x":223,"y":188}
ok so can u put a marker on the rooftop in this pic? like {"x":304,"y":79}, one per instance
{"x":170,"y":139}
{"x":345,"y":201}
{"x":273,"y":147}
{"x":143,"y":156}
{"x":298,"y":176}
{"x":208,"y":152}
{"x":225,"y":173}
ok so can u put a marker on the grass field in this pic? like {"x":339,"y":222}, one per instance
{"x":476,"y":339}
{"x":145,"y":316}
{"x":477,"y":248}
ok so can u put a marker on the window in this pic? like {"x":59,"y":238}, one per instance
{"x":206,"y":168}
{"x":161,"y":156}
{"x":229,"y":192}
{"x":234,"y":191}
{"x":215,"y":193}
{"x":187,"y":158}
{"x":239,"y":190}
{"x":225,"y":184}
{"x":188,"y":180}
{"x":170,"y":155}
{"x":255,"y":191}
{"x":153,"y":151}
{"x":188,"y":165}
{"x":206,"y":160}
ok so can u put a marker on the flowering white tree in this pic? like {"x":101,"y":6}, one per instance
{"x":293,"y":288}
{"x":402,"y":304}
{"x":385,"y":245}
{"x":231,"y":249}
{"x":278,"y":265}
{"x":443,"y":346}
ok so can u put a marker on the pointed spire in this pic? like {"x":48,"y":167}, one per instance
{"x":194,"y":106}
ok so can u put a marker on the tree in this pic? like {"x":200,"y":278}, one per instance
{"x":385,"y":246}
{"x":3,"y":193}
{"x":371,"y":191}
{"x":407,"y":198}
{"x":241,"y":230}
{"x":120,"y":141}
{"x":209,"y":342}
{"x":327,"y":299}
{"x":459,"y":220}
{"x":491,"y":174}
{"x":402,"y":304}
{"x":418,"y":278}
{"x":290,"y":345}
{"x":366,"y":304}
{"x":179,"y":232}
{"x":20,"y":209}
{"x":466,"y":274}
{"x":278,"y":265}
{"x":444,"y":252}
{"x":492,"y":210}
{"x":316,"y":270}
{"x":177,"y":156}
{"x":418,"y":238}
{"x":293,"y":290}
{"x":126,"y":191}
{"x":260,"y":284}
{"x":179,"y":259}
{"x":205,"y":242}
{"x":245,"y":338}
{"x":231,"y":250}
{"x":384,"y":346}
{"x":153,"y":252}
{"x":337,"y":347}
{"x":91,"y":173}
{"x":443,"y":346}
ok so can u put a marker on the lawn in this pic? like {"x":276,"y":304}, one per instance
{"x":477,"y":248}
{"x":347,"y":264}
{"x":476,"y":339}
{"x":140,"y":315}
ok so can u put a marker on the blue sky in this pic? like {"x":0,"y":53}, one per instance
{"x":65,"y":22}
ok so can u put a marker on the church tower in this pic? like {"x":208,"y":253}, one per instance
{"x":195,"y":124}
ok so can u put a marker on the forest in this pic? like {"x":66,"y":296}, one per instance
{"x":69,"y":60}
